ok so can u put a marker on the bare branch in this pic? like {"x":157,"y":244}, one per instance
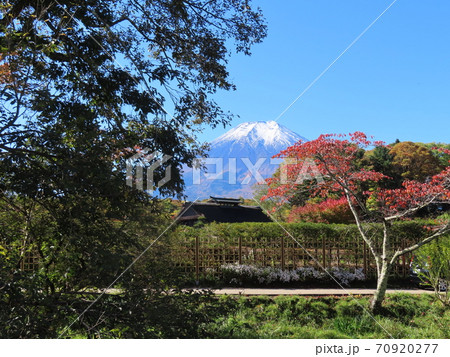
{"x":413,"y":209}
{"x":443,"y":230}
{"x":361,"y":228}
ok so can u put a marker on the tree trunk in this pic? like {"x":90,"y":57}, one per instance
{"x":378,"y":296}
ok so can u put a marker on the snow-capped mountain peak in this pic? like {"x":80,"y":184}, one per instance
{"x":236,"y":155}
{"x":259,"y":133}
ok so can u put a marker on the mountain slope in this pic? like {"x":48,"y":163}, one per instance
{"x":240,"y":157}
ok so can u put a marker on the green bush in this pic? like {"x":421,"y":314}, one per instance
{"x":434,"y":262}
{"x":218,"y":234}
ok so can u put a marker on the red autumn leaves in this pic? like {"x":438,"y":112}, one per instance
{"x":337,"y":159}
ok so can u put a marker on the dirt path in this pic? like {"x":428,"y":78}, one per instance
{"x":310,"y":292}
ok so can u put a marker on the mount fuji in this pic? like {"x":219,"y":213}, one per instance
{"x":238,"y":159}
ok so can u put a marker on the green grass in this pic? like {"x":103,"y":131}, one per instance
{"x":209,"y":316}
{"x":405,"y":316}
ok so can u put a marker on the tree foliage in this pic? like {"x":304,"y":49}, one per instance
{"x":328,"y":211}
{"x":414,"y":161}
{"x":432,"y":264}
{"x":380,"y":159}
{"x":337,"y":159}
{"x":92,"y":77}
{"x":83,"y":84}
{"x":440,"y":151}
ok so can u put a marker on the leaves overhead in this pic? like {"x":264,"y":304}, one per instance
{"x":86,"y":84}
{"x":78,"y":74}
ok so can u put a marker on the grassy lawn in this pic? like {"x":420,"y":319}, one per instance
{"x":405,"y":316}
{"x":210,"y":316}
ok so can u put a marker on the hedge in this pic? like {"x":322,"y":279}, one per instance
{"x":283,"y":246}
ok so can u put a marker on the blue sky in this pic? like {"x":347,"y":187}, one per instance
{"x":393,"y":83}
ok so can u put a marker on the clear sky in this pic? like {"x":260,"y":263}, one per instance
{"x":393,"y":83}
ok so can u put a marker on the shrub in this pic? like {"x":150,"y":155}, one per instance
{"x":239,"y":274}
{"x":434,"y":262}
{"x":328,"y":211}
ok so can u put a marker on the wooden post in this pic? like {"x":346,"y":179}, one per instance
{"x":338,"y":254}
{"x":282,"y":252}
{"x":324,"y":261}
{"x":365,"y":258}
{"x":197,"y":259}
{"x":403,"y":259}
{"x":240,"y":249}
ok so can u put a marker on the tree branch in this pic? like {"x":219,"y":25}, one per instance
{"x":26,"y":151}
{"x":412,"y":210}
{"x":361,"y":228}
{"x":15,"y":11}
{"x":443,"y":230}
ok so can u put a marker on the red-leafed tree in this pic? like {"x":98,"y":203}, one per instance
{"x":329,"y":211}
{"x":337,"y":169}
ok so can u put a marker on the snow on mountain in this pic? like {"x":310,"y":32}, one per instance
{"x":241,"y":157}
{"x":270,"y":134}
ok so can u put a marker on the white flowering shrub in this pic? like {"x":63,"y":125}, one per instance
{"x":238,"y":274}
{"x":345,"y":277}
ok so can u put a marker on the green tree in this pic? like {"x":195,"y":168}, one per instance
{"x":434,"y":263}
{"x":96,"y":73}
{"x":337,"y":161}
{"x":436,"y":149}
{"x":413,"y":161}
{"x":381,"y":160}
{"x":83,"y":84}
